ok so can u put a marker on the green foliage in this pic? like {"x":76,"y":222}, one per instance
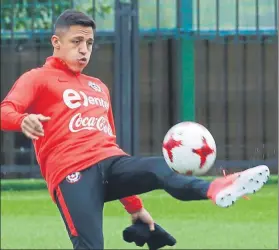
{"x":36,"y":15}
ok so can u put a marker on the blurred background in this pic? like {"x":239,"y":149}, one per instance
{"x":165,"y":61}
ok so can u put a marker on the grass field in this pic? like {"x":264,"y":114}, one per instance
{"x":29,"y":220}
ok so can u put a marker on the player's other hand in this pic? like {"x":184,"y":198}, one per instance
{"x":32,"y":126}
{"x":145,"y":217}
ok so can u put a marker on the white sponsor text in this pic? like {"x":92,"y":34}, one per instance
{"x":74,"y":99}
{"x":78,"y":123}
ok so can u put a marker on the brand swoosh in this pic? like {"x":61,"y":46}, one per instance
{"x":62,"y":80}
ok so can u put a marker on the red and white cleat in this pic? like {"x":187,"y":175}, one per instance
{"x":226,"y":190}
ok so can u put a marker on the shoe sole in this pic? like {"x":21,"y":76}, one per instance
{"x":248,"y":182}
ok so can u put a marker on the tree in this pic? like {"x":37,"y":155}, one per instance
{"x":38,"y":15}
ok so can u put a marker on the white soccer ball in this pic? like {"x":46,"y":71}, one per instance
{"x":189,"y":149}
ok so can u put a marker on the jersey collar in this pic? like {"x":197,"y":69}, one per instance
{"x":58,"y":63}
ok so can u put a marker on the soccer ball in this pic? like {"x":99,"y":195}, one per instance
{"x":189,"y":149}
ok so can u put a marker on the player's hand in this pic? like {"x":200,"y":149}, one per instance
{"x":145,"y":217}
{"x":32,"y":126}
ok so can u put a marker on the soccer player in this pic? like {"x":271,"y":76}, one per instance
{"x":69,"y":118}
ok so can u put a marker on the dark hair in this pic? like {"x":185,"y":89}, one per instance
{"x":73,"y":17}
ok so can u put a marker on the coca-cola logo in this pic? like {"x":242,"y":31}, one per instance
{"x":78,"y":123}
{"x":74,"y":99}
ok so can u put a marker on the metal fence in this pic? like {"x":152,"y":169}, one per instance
{"x":147,"y":52}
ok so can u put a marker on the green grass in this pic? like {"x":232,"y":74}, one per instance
{"x":29,"y":220}
{"x":39,"y":184}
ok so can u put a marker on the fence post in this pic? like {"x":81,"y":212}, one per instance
{"x":135,"y":78}
{"x":187,"y":61}
{"x":125,"y":93}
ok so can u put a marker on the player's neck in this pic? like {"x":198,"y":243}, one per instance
{"x":57,"y":55}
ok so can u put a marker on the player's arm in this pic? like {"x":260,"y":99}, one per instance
{"x":14,"y":116}
{"x":133,"y":203}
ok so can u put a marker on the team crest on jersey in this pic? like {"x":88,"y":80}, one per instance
{"x":74,"y":177}
{"x":94,"y":86}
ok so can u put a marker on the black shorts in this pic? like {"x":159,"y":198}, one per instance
{"x":81,"y":196}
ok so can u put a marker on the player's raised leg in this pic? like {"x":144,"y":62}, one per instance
{"x":135,"y":175}
{"x":80,"y":199}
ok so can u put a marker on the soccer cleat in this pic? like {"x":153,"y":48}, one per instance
{"x":226,"y":190}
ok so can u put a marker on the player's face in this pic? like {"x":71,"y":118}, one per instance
{"x":76,"y":47}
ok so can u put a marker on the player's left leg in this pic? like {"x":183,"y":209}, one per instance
{"x":80,"y":200}
{"x":136,"y":175}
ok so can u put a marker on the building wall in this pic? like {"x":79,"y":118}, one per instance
{"x":230,"y":80}
{"x":240,"y":81}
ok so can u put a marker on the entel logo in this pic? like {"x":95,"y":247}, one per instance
{"x":74,"y":99}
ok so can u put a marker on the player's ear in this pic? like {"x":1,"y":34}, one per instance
{"x":55,"y":42}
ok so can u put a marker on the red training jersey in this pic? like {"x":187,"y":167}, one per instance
{"x":81,"y":131}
